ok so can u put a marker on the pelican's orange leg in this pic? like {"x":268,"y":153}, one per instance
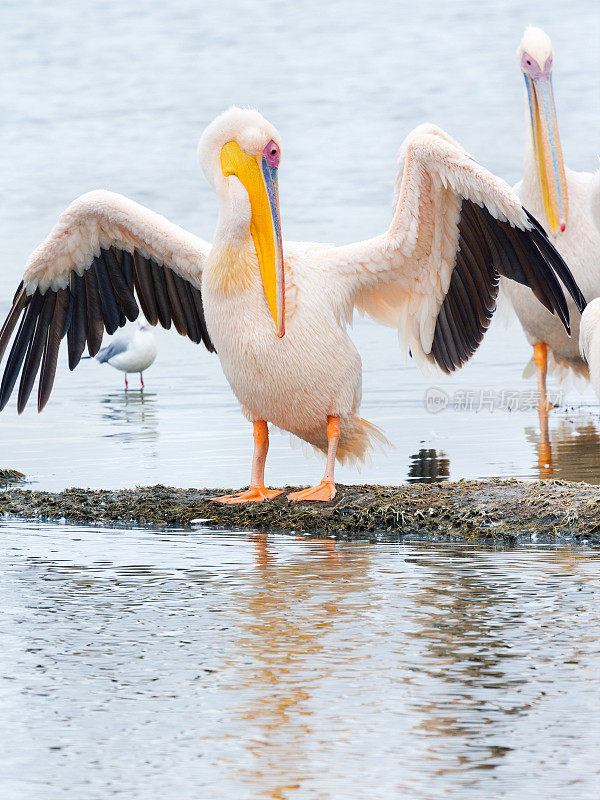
{"x":256,"y":492}
{"x":545,"y":448}
{"x":540,"y":357}
{"x":326,"y":489}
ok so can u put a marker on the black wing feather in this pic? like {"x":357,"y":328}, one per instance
{"x":77,"y":333}
{"x":95,"y":325}
{"x":110,"y":310}
{"x":35,"y":350}
{"x":488,"y":249}
{"x":144,"y":286}
{"x":111,"y":290}
{"x":55,"y":333}
{"x":19,"y":348}
{"x":177,"y":314}
{"x":161,"y":294}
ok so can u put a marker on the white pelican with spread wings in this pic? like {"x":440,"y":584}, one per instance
{"x":277,"y":312}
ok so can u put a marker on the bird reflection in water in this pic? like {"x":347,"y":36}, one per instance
{"x":570,"y":449}
{"x":293,"y":611}
{"x":428,"y":466}
{"x":462,"y":622}
{"x":132,"y":416}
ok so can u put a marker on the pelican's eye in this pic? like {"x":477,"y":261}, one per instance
{"x":272,"y":154}
{"x":531,"y":66}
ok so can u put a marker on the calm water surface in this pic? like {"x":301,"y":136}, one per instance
{"x":115,"y":95}
{"x":216,"y":665}
{"x":159,"y":664}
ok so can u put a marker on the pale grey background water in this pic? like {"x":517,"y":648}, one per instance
{"x":165,"y":665}
{"x":115,"y":95}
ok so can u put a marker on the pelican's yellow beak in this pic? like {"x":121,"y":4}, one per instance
{"x":548,"y":153}
{"x":258,"y":174}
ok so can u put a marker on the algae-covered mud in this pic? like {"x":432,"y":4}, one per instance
{"x":506,"y":511}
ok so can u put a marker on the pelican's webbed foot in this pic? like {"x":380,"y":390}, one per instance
{"x":254,"y":494}
{"x":324,"y":492}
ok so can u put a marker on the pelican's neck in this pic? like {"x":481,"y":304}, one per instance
{"x":233,"y":263}
{"x":233,"y":226}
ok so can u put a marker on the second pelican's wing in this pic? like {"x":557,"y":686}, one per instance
{"x":456,"y":229}
{"x":106,"y":258}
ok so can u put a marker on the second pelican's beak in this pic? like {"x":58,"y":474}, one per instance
{"x":546,"y":145}
{"x":258,"y":174}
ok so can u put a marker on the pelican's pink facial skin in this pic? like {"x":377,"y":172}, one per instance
{"x":272,"y":154}
{"x":531,"y":66}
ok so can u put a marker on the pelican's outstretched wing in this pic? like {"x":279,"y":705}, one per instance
{"x":107,"y":257}
{"x":456,"y":228}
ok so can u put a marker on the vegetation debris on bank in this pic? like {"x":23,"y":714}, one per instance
{"x":499,"y":510}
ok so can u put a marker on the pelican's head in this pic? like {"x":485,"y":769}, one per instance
{"x":239,"y":153}
{"x":535,"y":59}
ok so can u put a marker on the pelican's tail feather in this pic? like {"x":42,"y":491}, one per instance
{"x":569,"y":374}
{"x":358,"y":438}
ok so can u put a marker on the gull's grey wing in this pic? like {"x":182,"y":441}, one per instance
{"x":111,"y":350}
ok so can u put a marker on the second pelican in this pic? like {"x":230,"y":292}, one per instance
{"x":277,"y":313}
{"x":558,"y":197}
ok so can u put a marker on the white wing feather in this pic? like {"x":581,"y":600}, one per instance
{"x":401,"y":277}
{"x":100,"y":219}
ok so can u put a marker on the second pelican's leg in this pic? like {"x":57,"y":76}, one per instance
{"x":256,"y":492}
{"x":540,"y":356}
{"x":326,"y":489}
{"x":545,"y":448}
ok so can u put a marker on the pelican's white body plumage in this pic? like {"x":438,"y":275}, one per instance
{"x":594,"y":199}
{"x":589,"y":341}
{"x":579,"y":245}
{"x":313,"y":372}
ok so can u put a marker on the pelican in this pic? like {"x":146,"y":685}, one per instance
{"x":589,"y":341}
{"x":594,"y":199}
{"x":277,"y":314}
{"x":558,"y":198}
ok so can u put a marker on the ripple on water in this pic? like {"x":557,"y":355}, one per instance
{"x":166,"y":664}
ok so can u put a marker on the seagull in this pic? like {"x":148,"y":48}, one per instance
{"x":133,"y":351}
{"x":558,"y":198}
{"x":277,"y":313}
